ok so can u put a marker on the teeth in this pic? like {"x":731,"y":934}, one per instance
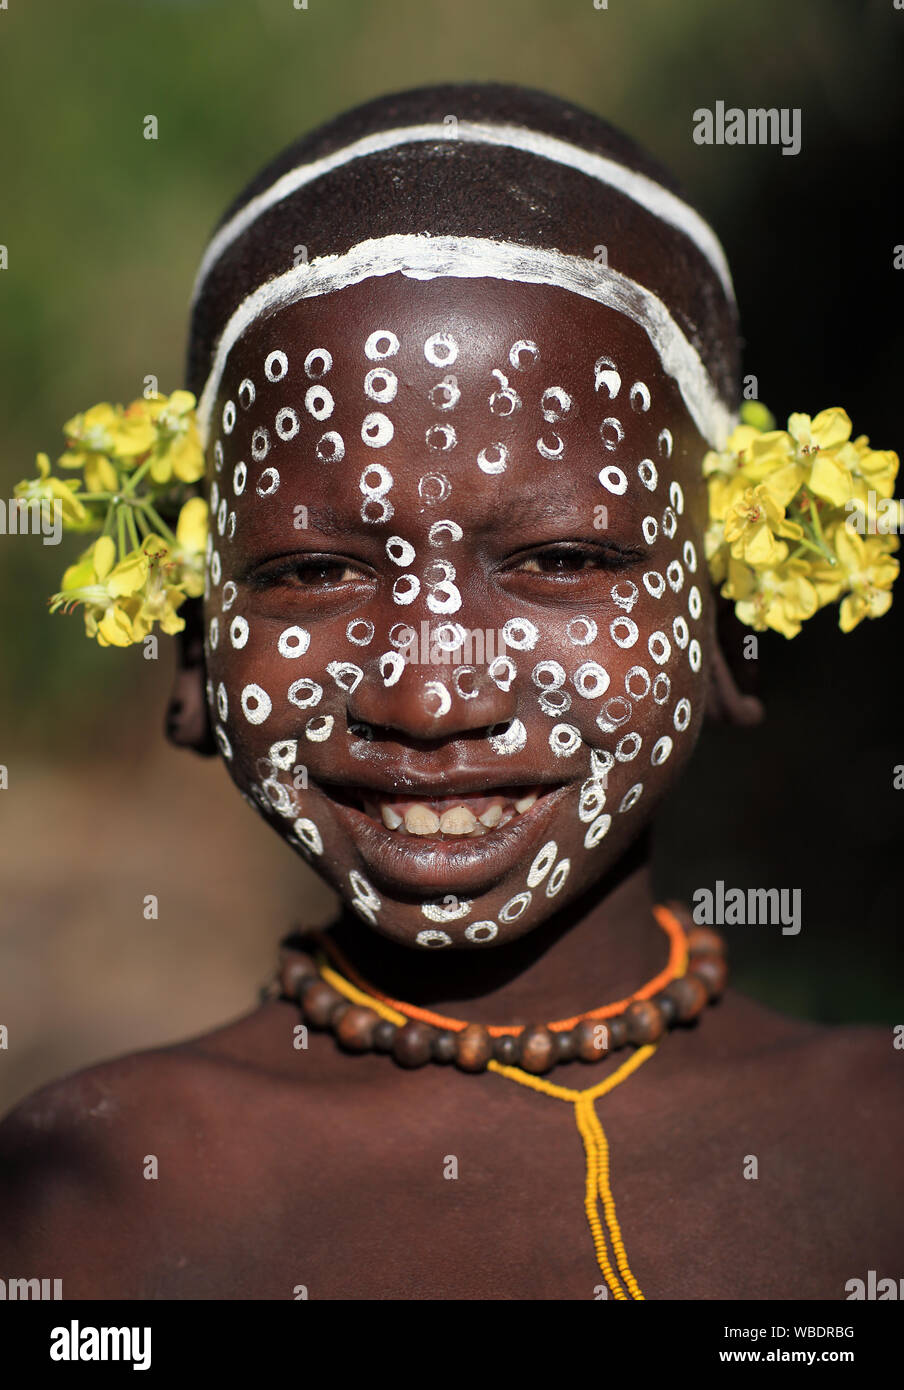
{"x":506,"y":817}
{"x":458,"y":821}
{"x":490,"y":816}
{"x":420,"y":820}
{"x":525,"y":803}
{"x":391,"y":819}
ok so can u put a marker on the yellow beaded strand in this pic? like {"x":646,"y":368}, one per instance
{"x":596,"y":1147}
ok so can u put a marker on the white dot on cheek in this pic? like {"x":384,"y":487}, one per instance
{"x":238,"y":632}
{"x":256,"y":704}
{"x":293,"y":641}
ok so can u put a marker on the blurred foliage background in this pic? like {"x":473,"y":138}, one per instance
{"x":104,"y":231}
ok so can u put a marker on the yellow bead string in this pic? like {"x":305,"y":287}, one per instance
{"x":596,"y":1147}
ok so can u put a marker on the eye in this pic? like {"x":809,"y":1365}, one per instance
{"x":571,"y":560}
{"x":311,"y":572}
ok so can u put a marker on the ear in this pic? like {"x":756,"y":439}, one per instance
{"x":727,"y":702}
{"x":187,"y":717}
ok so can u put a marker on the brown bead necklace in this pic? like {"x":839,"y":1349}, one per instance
{"x":329,"y":1001}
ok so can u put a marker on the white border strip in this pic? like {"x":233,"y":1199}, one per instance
{"x":643,"y":190}
{"x":426,"y":258}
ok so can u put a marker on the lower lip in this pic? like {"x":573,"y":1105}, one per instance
{"x":440,"y":866}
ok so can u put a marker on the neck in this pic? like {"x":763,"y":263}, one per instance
{"x":600,"y":948}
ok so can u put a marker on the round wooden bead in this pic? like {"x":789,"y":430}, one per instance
{"x":294,"y":967}
{"x":355,"y":1029}
{"x":643,"y":1021}
{"x":712,"y":970}
{"x":705,"y":939}
{"x":318,"y":1000}
{"x":412,"y":1044}
{"x":618,"y":1033}
{"x":474,"y":1048}
{"x":538,"y":1049}
{"x":689,"y":995}
{"x":666,"y":1007}
{"x":384,"y":1035}
{"x":505,"y":1049}
{"x":565,"y":1044}
{"x":444,"y":1045}
{"x":591,"y":1039}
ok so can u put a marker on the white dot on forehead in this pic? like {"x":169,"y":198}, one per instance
{"x":640,"y":396}
{"x":381,"y":385}
{"x":606,"y":377}
{"x":377,"y":429}
{"x":554,"y":403}
{"x":445,"y":395}
{"x":441,"y":350}
{"x":523,"y":354}
{"x":665,"y":443}
{"x":492,"y":459}
{"x":551,"y":447}
{"x":318,"y":401}
{"x":441,"y":438}
{"x":260,"y":444}
{"x":611,"y":432}
{"x":246,"y":394}
{"x":287,"y":423}
{"x":239,"y":478}
{"x":229,"y":417}
{"x":613,"y":480}
{"x":317,"y":363}
{"x":381,"y":344}
{"x":276,"y":366}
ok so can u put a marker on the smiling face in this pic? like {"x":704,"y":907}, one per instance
{"x":457,"y":613}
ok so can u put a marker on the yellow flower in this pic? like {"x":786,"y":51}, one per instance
{"x":877,"y":467}
{"x":177,"y":449}
{"x":825,"y":431}
{"x":97,"y":437}
{"x":780,"y":598}
{"x":104,"y":588}
{"x":191,"y":537}
{"x":752,"y":526}
{"x":869,"y":572}
{"x":46,"y":488}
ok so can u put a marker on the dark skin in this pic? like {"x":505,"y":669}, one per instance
{"x":281,"y":1167}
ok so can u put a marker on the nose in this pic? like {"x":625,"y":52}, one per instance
{"x":429,"y":701}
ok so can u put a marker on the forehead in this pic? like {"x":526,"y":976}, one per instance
{"x":493,"y":384}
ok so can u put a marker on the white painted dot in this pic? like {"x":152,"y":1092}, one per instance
{"x":377,"y":430}
{"x":682,"y":716}
{"x":623,"y":632}
{"x":287,"y":423}
{"x":229,"y":417}
{"x":317,"y":363}
{"x":267,"y":483}
{"x":441,"y":350}
{"x":293,"y":641}
{"x":246,"y":394}
{"x":239,"y":478}
{"x":613,"y":480}
{"x":256,"y":704}
{"x":381,"y":344}
{"x":330,"y":447}
{"x":597,"y":830}
{"x":628,"y":747}
{"x":694,"y":655}
{"x":661,"y":750}
{"x":276,"y":366}
{"x":381,"y":385}
{"x":611,"y":432}
{"x":304,"y":693}
{"x":318,"y":402}
{"x":543,"y":862}
{"x":319,"y":728}
{"x":238,"y":632}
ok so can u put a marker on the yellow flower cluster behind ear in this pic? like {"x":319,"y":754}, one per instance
{"x":800,"y":518}
{"x":137,"y":465}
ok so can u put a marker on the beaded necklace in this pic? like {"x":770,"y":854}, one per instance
{"x":363,"y":1019}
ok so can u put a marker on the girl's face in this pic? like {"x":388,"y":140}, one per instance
{"x":457,"y":611}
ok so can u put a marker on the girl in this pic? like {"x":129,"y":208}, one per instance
{"x":459,"y":357}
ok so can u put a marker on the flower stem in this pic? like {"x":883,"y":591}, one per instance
{"x":158,"y":521}
{"x":133,"y":530}
{"x":121,"y":531}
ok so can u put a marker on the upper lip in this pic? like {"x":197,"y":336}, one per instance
{"x":468,"y":783}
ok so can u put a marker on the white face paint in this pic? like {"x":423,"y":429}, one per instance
{"x":587,"y":684}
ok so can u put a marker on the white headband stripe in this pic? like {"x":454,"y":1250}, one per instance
{"x":426,"y":258}
{"x":641,"y":189}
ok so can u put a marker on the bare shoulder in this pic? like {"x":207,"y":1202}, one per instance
{"x":80,"y":1159}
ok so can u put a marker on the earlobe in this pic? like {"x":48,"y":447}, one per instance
{"x":187,"y":717}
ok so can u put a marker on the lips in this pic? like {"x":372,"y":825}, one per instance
{"x":435,"y":860}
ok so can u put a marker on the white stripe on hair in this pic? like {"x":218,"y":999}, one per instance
{"x":641,"y":189}
{"x":426,"y":258}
